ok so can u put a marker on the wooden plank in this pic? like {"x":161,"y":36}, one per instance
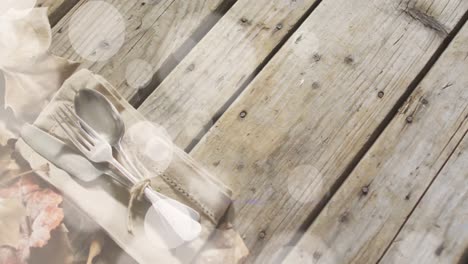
{"x":197,"y":91}
{"x":437,"y":231}
{"x":56,"y":8}
{"x":294,"y":132}
{"x":153,"y":31}
{"x":363,"y":217}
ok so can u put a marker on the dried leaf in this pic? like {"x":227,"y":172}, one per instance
{"x":57,"y":251}
{"x":42,"y":210}
{"x":12,"y":212}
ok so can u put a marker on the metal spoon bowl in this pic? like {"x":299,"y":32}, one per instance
{"x":100,"y":114}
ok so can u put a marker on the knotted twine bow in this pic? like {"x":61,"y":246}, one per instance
{"x":136,"y":193}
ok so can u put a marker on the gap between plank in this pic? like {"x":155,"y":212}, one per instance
{"x":251,"y":77}
{"x":171,"y":62}
{"x":376,"y":134}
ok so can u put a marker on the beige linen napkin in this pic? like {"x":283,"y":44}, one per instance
{"x":106,"y":203}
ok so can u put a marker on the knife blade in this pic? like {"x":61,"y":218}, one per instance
{"x":61,"y":155}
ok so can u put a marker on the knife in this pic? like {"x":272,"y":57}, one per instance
{"x":63,"y":156}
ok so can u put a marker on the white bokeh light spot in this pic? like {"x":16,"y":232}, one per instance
{"x":97,"y":37}
{"x":138,"y":74}
{"x":305,"y":183}
{"x":157,"y":228}
{"x":149,"y":143}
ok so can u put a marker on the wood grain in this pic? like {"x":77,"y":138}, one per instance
{"x":194,"y":95}
{"x":293,"y":134}
{"x":364,"y":216}
{"x":437,"y":231}
{"x":57,"y":8}
{"x":154,"y":32}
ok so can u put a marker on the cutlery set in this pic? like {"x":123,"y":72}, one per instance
{"x":95,"y":129}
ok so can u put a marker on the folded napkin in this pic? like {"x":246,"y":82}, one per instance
{"x":106,"y":203}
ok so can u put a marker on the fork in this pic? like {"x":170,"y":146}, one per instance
{"x":96,"y":149}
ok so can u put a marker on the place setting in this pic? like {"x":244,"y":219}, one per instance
{"x":124,"y":172}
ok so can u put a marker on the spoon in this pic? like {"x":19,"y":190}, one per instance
{"x":99,"y":113}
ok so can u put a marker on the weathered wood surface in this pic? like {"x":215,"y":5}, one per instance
{"x":294,"y":132}
{"x":437,"y":231}
{"x":293,"y":128}
{"x":155,"y":31}
{"x":214,"y":73}
{"x":363,"y":217}
{"x":56,"y":8}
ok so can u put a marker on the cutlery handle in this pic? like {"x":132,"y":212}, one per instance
{"x":153,"y":196}
{"x":128,"y":161}
{"x":181,"y":223}
{"x":123,"y":170}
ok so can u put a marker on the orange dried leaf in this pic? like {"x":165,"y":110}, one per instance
{"x":42,"y":210}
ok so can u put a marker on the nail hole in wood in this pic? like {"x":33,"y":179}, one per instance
{"x":349,"y":59}
{"x":439,"y":249}
{"x":344,"y":218}
{"x":409,"y":119}
{"x":365,"y":190}
{"x":408,"y":196}
{"x":262,"y":235}
{"x":316,"y":57}
{"x":315,"y":85}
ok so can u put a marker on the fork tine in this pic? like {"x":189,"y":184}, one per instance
{"x":81,"y":136}
{"x":70,"y":133}
{"x":76,"y":124}
{"x":82,"y":122}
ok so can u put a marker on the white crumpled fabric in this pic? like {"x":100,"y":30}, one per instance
{"x":29,"y":74}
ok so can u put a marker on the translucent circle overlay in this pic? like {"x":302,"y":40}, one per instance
{"x":158,"y":227}
{"x":305,"y":183}
{"x":16,"y":8}
{"x":138,"y":74}
{"x":97,"y":31}
{"x":198,"y":125}
{"x":151,"y":146}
